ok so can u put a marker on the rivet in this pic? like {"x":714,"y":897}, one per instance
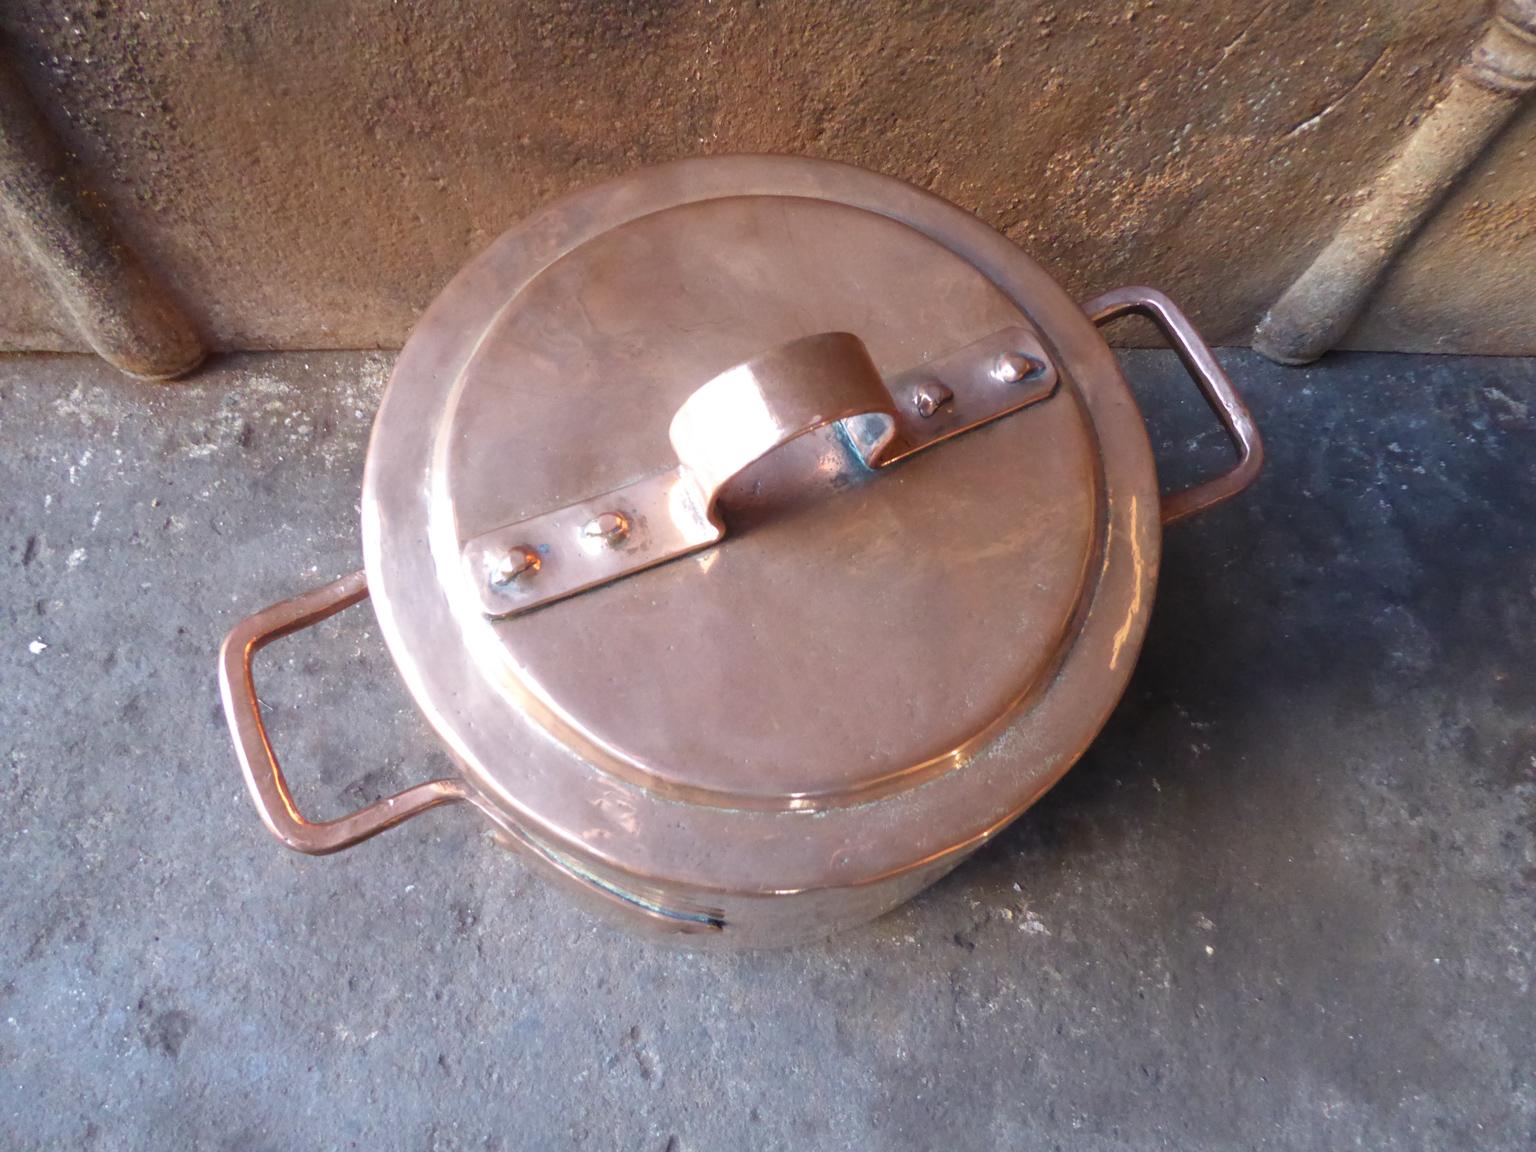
{"x":1011,"y":367}
{"x":520,"y":560}
{"x":929,"y":396}
{"x":607,"y":527}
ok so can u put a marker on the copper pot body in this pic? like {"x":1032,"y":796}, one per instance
{"x":761,"y":535}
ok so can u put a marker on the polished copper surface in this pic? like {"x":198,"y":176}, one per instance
{"x":803,"y":725}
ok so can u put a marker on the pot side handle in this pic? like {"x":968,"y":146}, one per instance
{"x":1214,"y":385}
{"x":263,"y":775}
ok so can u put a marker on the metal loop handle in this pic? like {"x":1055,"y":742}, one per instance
{"x":263,"y":776}
{"x":1214,"y":385}
{"x":743,"y":414}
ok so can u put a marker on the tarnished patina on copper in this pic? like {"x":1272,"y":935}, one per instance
{"x":796,"y":727}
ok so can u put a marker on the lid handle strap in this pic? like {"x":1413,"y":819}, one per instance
{"x":734,"y":420}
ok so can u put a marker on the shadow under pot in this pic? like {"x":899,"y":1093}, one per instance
{"x":761,"y":536}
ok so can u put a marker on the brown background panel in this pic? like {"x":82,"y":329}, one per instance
{"x":308,"y":175}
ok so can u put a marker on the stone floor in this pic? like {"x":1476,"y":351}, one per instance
{"x":1288,"y":900}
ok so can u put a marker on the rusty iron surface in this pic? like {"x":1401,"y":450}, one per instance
{"x":1317,"y":310}
{"x":109,"y":299}
{"x":311,"y":175}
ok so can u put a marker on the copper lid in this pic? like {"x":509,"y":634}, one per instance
{"x":759,"y":524}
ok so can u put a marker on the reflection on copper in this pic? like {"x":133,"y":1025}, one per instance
{"x":1133,"y":610}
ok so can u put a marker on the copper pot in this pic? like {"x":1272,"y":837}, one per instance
{"x":761,"y":535}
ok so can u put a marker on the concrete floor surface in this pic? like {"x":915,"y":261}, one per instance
{"x":1286,"y":901}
